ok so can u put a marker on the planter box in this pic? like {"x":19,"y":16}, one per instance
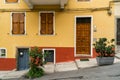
{"x":104,"y":60}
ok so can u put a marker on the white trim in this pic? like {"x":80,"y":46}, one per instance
{"x":91,"y":53}
{"x":54,"y":53}
{"x":11,"y":2}
{"x":11,"y":24}
{"x":53,"y":22}
{"x":5,"y":53}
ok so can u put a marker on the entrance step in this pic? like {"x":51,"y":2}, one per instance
{"x":65,"y":66}
{"x":117,"y":49}
{"x":86,"y":63}
{"x":49,"y":68}
{"x":117,"y":55}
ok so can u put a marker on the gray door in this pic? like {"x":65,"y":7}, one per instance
{"x":23,"y":58}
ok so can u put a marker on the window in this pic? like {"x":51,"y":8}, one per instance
{"x":18,"y":23}
{"x":46,"y":24}
{"x":2,"y":53}
{"x":51,"y":57}
{"x":11,"y":1}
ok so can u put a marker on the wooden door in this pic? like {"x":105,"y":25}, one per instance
{"x":83,"y":37}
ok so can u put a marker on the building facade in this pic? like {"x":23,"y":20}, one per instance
{"x":66,"y":28}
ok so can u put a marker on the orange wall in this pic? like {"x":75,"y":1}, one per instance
{"x":7,"y":64}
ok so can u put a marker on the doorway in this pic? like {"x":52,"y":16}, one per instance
{"x":23,"y":58}
{"x":83,"y":36}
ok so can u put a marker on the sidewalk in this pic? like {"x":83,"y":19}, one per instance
{"x":59,"y":67}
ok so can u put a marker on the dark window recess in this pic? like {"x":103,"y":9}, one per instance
{"x":118,"y":31}
{"x":84,"y":20}
{"x":50,"y":57}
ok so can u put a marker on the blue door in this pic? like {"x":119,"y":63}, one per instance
{"x":23,"y":58}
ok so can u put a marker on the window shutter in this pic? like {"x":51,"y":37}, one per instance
{"x":18,"y":23}
{"x":43,"y":23}
{"x":15,"y":23}
{"x":49,"y":23}
{"x":21,"y":23}
{"x":11,"y":1}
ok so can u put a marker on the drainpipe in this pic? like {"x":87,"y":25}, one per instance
{"x":114,"y":1}
{"x":110,"y":6}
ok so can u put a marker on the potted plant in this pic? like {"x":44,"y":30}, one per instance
{"x":105,"y":51}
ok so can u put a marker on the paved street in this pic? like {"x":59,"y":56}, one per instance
{"x":111,"y":72}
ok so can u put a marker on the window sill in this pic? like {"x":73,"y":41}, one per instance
{"x":46,"y":34}
{"x":2,"y":57}
{"x":18,"y":34}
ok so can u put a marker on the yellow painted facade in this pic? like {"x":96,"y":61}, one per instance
{"x":64,"y":25}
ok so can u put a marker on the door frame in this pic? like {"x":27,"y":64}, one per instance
{"x":54,"y":53}
{"x":91,"y":50}
{"x":18,"y":56}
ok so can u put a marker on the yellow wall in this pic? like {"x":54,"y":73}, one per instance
{"x":20,"y":5}
{"x":64,"y":26}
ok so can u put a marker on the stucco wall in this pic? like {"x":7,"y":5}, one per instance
{"x":64,"y":26}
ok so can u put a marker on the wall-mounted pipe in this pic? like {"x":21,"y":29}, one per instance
{"x":114,"y":1}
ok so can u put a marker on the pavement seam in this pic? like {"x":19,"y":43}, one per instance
{"x":117,"y":57}
{"x":76,"y":64}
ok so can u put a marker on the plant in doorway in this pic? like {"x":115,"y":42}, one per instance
{"x":36,"y":60}
{"x":105,"y":51}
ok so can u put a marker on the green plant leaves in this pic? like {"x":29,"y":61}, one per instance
{"x":36,"y":60}
{"x":104,"y":47}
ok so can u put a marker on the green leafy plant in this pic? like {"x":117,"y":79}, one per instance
{"x":36,"y":60}
{"x":3,"y":54}
{"x":104,"y":48}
